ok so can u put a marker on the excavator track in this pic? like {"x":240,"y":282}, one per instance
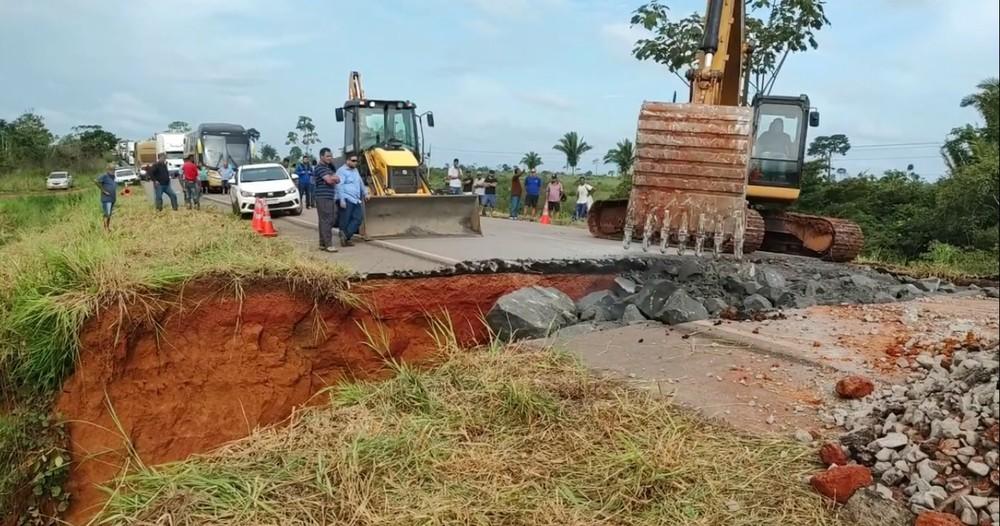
{"x":827,"y":238}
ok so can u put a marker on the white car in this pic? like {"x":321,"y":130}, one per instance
{"x":59,"y":181}
{"x":126,"y":176}
{"x":269,"y":181}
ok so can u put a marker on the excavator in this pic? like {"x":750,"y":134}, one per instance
{"x":718,"y":171}
{"x":387,"y":136}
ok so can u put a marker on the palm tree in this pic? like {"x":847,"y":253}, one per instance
{"x":622,"y":156}
{"x":572,"y":146}
{"x":531,"y":160}
{"x":987,"y":102}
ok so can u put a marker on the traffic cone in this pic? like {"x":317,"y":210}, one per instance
{"x":127,"y":191}
{"x":267,"y":227}
{"x":258,"y":215}
{"x":545,"y":220}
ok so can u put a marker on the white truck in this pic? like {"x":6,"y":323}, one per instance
{"x":172,"y":145}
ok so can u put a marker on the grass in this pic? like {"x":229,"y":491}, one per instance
{"x":508,"y":437}
{"x":20,"y":181}
{"x":944,"y":261}
{"x":61,"y":269}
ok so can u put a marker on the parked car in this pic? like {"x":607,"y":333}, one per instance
{"x":59,"y":181}
{"x":269,"y":181}
{"x":126,"y":176}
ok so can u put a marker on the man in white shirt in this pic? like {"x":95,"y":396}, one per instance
{"x":583,"y":191}
{"x":454,"y":178}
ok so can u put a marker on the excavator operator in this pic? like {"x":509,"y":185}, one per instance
{"x":775,"y":141}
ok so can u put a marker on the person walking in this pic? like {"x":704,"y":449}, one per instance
{"x":351,"y":194}
{"x":109,"y":193}
{"x":583,"y":193}
{"x":326,"y":180}
{"x":532,"y":188}
{"x":554,"y":195}
{"x":226,"y":173}
{"x":305,"y":172}
{"x":203,"y":178}
{"x":160,"y":175}
{"x":454,"y":178}
{"x":192,"y":191}
{"x":515,"y":194}
{"x":490,"y":193}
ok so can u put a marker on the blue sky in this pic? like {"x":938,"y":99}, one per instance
{"x":502,"y":77}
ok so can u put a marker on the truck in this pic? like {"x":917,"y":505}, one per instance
{"x":172,"y":145}
{"x":144,"y":155}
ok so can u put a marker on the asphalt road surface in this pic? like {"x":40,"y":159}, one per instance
{"x":502,"y":238}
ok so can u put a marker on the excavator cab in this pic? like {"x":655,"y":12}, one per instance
{"x":387,"y":137}
{"x":778,"y":152}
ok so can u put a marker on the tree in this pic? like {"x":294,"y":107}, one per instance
{"x":268,"y":153}
{"x":622,"y":156}
{"x":295,"y":153}
{"x":307,"y":132}
{"x":253,"y":134}
{"x":94,"y":140}
{"x":293,"y":140}
{"x":178,"y":127}
{"x":27,"y":138}
{"x":572,"y":146}
{"x":825,"y":146}
{"x":987,"y":103}
{"x":776,"y":27}
{"x":531,"y":160}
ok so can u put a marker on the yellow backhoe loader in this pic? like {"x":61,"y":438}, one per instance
{"x":718,"y":171}
{"x":387,"y":136}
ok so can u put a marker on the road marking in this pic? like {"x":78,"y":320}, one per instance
{"x":421,"y":254}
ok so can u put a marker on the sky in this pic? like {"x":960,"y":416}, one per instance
{"x":502,"y":76}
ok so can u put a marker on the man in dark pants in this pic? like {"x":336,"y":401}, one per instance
{"x":305,"y":172}
{"x":160,"y":175}
{"x":325,"y":193}
{"x":351,"y":194}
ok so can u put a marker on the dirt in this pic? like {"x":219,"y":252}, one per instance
{"x":212,"y":368}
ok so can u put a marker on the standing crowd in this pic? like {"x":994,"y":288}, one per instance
{"x":524,"y":195}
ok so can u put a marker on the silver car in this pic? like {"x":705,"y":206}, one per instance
{"x":59,"y":181}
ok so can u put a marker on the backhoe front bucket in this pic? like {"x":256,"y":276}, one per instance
{"x":421,"y":216}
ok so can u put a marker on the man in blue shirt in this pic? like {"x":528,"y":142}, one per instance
{"x":532,"y":188}
{"x":326,"y":199}
{"x":226,"y":173}
{"x":351,"y":194}
{"x":305,"y":172}
{"x":109,"y":192}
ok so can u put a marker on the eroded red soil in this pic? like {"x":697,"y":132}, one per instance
{"x":212,"y":367}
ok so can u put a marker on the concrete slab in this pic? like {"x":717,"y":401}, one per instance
{"x":749,"y":389}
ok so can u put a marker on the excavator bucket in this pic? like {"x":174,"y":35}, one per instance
{"x":421,"y":215}
{"x":689,"y":180}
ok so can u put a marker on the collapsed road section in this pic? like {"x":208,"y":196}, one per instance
{"x":209,"y":364}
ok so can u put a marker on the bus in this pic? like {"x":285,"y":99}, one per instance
{"x":214,"y":144}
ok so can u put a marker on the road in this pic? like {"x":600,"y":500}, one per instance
{"x":501,"y":239}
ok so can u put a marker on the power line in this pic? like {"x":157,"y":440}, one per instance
{"x":905,"y":157}
{"x":924,"y":144}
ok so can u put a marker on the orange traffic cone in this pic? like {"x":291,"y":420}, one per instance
{"x":267,"y":227}
{"x":258,"y":215}
{"x":545,"y":220}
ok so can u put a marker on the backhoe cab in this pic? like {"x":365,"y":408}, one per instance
{"x":387,"y":137}
{"x":776,"y":160}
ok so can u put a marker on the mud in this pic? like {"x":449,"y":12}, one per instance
{"x":212,"y":367}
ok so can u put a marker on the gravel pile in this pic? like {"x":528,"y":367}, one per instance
{"x":932,"y":441}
